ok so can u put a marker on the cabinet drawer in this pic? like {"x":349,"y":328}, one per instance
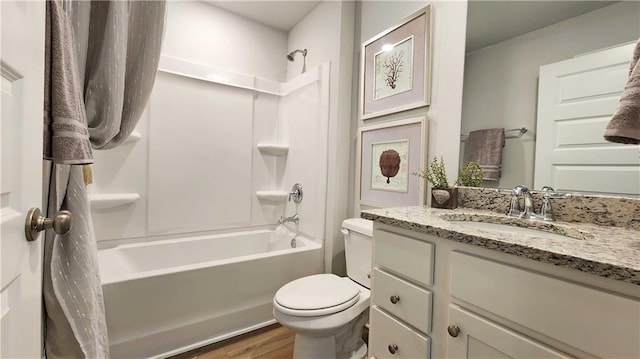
{"x":412,"y":303}
{"x":387,"y":332}
{"x":406,"y":256}
{"x":600,"y":323}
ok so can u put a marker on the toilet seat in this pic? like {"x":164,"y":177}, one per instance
{"x":316,"y":295}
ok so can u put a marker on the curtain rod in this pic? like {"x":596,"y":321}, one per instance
{"x":521,"y":130}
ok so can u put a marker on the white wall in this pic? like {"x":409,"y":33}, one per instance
{"x":327,"y":33}
{"x":206,"y":34}
{"x":448,"y":41}
{"x":501,"y":81}
{"x":196,"y":167}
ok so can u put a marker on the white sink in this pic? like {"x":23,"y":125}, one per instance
{"x":510,"y":229}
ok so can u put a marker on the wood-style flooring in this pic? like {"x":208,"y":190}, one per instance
{"x":272,"y":342}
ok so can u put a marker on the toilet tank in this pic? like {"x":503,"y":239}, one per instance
{"x":357,"y":234}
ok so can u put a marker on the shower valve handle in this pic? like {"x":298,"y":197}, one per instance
{"x":296,"y":193}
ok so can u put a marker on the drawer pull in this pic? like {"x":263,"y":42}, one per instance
{"x":392,"y":348}
{"x":394,"y":299}
{"x":453,"y":330}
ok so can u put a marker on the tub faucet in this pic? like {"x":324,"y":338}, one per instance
{"x":514,"y":206}
{"x":295,"y":219}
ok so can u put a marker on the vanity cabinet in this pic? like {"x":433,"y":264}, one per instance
{"x":401,"y":302}
{"x":455,"y":300}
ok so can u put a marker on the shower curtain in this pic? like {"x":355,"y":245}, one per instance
{"x":102,"y":55}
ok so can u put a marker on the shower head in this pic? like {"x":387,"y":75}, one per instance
{"x":293,"y":53}
{"x":304,"y":58}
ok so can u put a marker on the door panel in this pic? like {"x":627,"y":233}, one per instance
{"x":21,"y":84}
{"x":576,"y":100}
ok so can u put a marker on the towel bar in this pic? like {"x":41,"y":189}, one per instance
{"x":521,"y":131}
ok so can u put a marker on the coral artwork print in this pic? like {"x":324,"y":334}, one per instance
{"x":390,"y":166}
{"x":393,"y":69}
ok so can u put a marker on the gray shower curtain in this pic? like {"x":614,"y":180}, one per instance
{"x":110,"y":67}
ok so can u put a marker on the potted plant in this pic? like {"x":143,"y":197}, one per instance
{"x":470,"y":175}
{"x":443,"y":195}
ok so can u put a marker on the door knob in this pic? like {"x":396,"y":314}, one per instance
{"x":35,"y":223}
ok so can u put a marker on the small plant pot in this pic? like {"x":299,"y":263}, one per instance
{"x":446,"y":198}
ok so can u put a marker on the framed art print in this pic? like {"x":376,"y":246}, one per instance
{"x":388,"y":154}
{"x":395,"y":67}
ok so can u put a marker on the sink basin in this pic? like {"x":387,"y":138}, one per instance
{"x":511,"y":229}
{"x":500,"y":224}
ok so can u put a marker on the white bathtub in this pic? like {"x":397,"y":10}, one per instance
{"x":166,"y":297}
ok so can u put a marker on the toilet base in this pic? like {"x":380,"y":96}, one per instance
{"x":349,"y":343}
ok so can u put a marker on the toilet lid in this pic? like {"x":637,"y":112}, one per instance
{"x":318,"y":294}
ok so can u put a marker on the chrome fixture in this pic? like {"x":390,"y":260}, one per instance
{"x":296,"y":193}
{"x":514,"y":207}
{"x":295,"y":219}
{"x":35,"y":223}
{"x":546,"y":211}
{"x":291,"y":55}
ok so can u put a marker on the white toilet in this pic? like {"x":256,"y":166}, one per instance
{"x":327,"y":312}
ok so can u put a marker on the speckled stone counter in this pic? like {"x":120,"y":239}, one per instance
{"x":610,"y":252}
{"x":581,"y":208}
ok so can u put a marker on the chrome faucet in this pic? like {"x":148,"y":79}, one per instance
{"x":514,"y":206}
{"x":295,"y":219}
{"x":546,"y":211}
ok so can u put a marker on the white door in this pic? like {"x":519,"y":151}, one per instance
{"x":22,"y":76}
{"x":480,"y":338}
{"x":576,"y":100}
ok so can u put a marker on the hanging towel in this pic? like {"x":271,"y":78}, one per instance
{"x":66,"y":137}
{"x":624,"y":126}
{"x":485,"y":148}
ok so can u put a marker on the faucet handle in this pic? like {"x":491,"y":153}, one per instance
{"x":520,"y":189}
{"x":546,"y":211}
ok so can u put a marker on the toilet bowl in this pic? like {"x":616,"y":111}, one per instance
{"x":327,"y":312}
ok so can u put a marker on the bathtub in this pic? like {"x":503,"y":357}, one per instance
{"x":169,"y":296}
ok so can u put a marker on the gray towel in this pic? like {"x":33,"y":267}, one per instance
{"x":624,"y":126}
{"x":485,"y":148}
{"x":66,"y":138}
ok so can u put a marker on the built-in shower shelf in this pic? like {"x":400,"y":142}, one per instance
{"x":273,"y":197}
{"x":273,"y":149}
{"x":112,"y":200}
{"x":133,"y":138}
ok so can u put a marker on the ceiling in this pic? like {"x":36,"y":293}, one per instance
{"x":488,"y":22}
{"x":281,"y":15}
{"x":491,"y":22}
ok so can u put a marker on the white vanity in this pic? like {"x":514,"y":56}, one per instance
{"x":444,"y":291}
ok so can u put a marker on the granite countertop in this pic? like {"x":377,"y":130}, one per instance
{"x":610,"y":252}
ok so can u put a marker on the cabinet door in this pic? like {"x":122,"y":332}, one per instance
{"x":481,"y":338}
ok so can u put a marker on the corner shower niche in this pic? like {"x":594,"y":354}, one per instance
{"x":224,"y":144}
{"x":273,"y":197}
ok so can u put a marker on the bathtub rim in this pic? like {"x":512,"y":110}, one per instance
{"x":309,"y":245}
